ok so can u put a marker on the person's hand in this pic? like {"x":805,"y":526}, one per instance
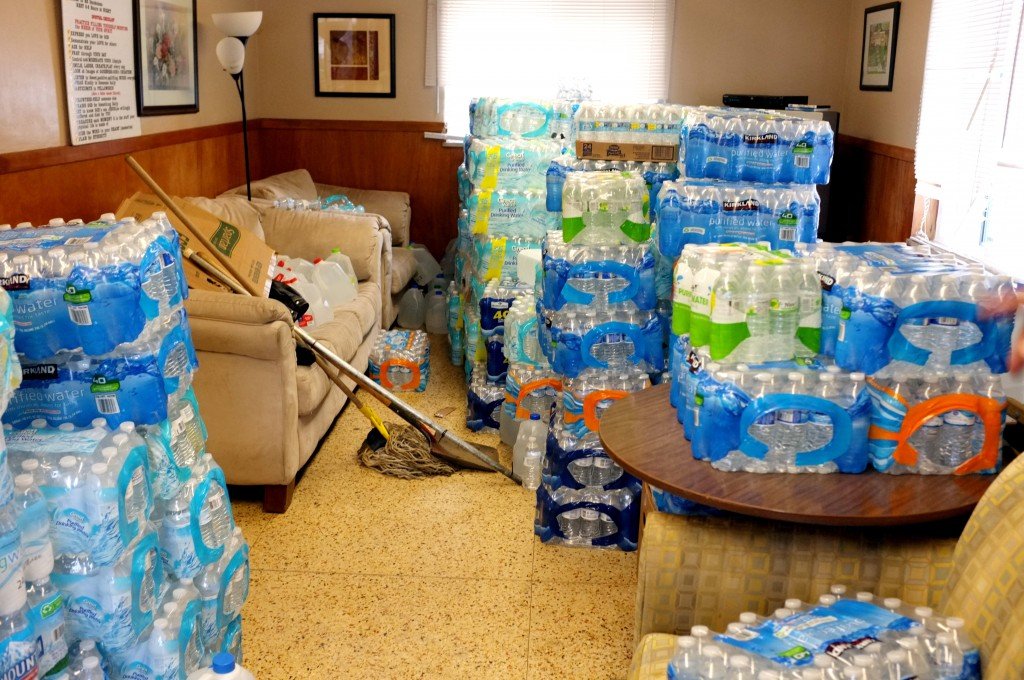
{"x":1006,"y":305}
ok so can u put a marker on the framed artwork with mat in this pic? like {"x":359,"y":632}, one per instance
{"x":354,"y":54}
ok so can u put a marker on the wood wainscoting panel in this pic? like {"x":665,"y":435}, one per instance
{"x":873,"y":191}
{"x":86,"y":181}
{"x":373,"y":155}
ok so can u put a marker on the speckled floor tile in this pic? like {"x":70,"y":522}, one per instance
{"x":371,"y":576}
{"x":558,"y":564}
{"x":580,"y":630}
{"x":304,"y":626}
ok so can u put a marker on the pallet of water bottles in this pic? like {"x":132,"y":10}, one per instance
{"x":885,"y":302}
{"x":860,"y":638}
{"x":752,"y":145}
{"x":702,"y":211}
{"x":400,"y":360}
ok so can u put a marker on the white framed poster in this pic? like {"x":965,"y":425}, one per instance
{"x":99,"y":70}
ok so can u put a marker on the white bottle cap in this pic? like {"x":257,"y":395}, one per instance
{"x":699,"y":631}
{"x":23,"y":481}
{"x":865,"y":596}
{"x":98,"y":422}
{"x":67,"y":461}
{"x":955,"y":622}
{"x":108,"y":451}
{"x":99,"y":468}
{"x":30,"y":465}
{"x":793,"y":603}
{"x":686,"y":642}
{"x":160,"y":624}
{"x":783,"y":613}
{"x":924,"y":612}
{"x":38,"y":423}
{"x":90,"y":662}
{"x":748,"y":618}
{"x":892,"y":602}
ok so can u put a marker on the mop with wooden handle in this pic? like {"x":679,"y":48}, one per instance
{"x":437,"y":440}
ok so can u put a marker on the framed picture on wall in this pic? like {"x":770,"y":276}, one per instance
{"x":166,"y":57}
{"x":354,"y":55}
{"x":878,"y":50}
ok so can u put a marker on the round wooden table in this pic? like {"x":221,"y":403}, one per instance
{"x":641,"y":433}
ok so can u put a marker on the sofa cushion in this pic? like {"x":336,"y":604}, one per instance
{"x":235,"y":210}
{"x":295,"y":184}
{"x":403,"y":268}
{"x":352,"y":322}
{"x":312,"y":234}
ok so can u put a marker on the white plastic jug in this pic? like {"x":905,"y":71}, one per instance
{"x":299,"y":266}
{"x":437,"y":313}
{"x":411,"y":309}
{"x":319,"y":312}
{"x":346,"y":264}
{"x":334,"y":283}
{"x":426,"y":266}
{"x":223,"y":668}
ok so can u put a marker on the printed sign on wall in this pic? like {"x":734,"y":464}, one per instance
{"x":99,"y":68}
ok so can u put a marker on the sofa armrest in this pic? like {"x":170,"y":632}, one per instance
{"x":311,"y":234}
{"x":258,"y":328}
{"x":391,"y":205}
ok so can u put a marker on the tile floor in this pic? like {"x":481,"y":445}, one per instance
{"x":367,"y":576}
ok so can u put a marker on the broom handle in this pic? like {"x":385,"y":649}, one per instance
{"x":196,"y":234}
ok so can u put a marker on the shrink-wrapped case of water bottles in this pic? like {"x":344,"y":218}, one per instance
{"x":504,"y":117}
{"x":843,"y":637}
{"x":629,"y":123}
{"x":701,"y":211}
{"x":605,"y":208}
{"x":750,"y":145}
{"x":400,"y":360}
{"x":121,"y":557}
{"x":653,"y":174}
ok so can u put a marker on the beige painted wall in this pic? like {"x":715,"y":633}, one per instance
{"x":818,"y":53}
{"x":759,"y":47}
{"x":286,"y":45}
{"x":889,"y":117}
{"x":32,"y":100}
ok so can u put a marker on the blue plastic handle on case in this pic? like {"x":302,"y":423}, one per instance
{"x":901,"y":349}
{"x":595,"y":334}
{"x":525,"y":105}
{"x":617,"y":269}
{"x":524,"y":331}
{"x":842,"y":426}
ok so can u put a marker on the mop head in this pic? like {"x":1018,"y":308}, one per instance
{"x":406,"y":454}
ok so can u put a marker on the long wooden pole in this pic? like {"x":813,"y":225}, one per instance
{"x":224,"y":261}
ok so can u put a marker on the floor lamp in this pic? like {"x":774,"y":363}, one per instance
{"x":231,"y":55}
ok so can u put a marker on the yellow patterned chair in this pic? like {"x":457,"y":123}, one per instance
{"x":700,"y":570}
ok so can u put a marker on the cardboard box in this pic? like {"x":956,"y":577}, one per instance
{"x":641,"y":153}
{"x":250,"y":256}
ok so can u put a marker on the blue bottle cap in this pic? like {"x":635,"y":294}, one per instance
{"x":534,"y":416}
{"x":223,"y":663}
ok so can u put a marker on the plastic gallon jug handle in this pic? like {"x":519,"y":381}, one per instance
{"x":618,"y":269}
{"x":594,"y":336}
{"x":414,"y":372}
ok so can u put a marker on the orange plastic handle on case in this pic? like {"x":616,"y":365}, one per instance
{"x":989,"y":411}
{"x":533,"y":386}
{"x":590,"y":403}
{"x":404,"y":363}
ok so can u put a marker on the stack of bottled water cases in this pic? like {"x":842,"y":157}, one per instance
{"x":122,"y":559}
{"x":530,"y":384}
{"x":400,"y":360}
{"x":751,"y":145}
{"x":909,"y":316}
{"x":657,"y":125}
{"x":599,"y":329}
{"x":836,"y":638}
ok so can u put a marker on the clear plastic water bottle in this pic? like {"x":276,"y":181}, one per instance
{"x":713,"y":663}
{"x":991,"y":387}
{"x":949,"y":659}
{"x":955,"y":436}
{"x":685,"y":664}
{"x":728,"y":317}
{"x":790,"y":426}
{"x":808,"y":333}
{"x":926,"y":439}
{"x":757,"y":315}
{"x":819,"y":425}
{"x":783,"y":312}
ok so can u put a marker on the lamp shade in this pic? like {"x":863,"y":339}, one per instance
{"x":231,"y":55}
{"x":238,"y":24}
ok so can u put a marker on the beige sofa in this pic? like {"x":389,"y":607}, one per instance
{"x":266,"y":415}
{"x":393,"y":206}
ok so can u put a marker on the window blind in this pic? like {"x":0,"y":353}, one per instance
{"x":968,"y":136}
{"x":618,"y":49}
